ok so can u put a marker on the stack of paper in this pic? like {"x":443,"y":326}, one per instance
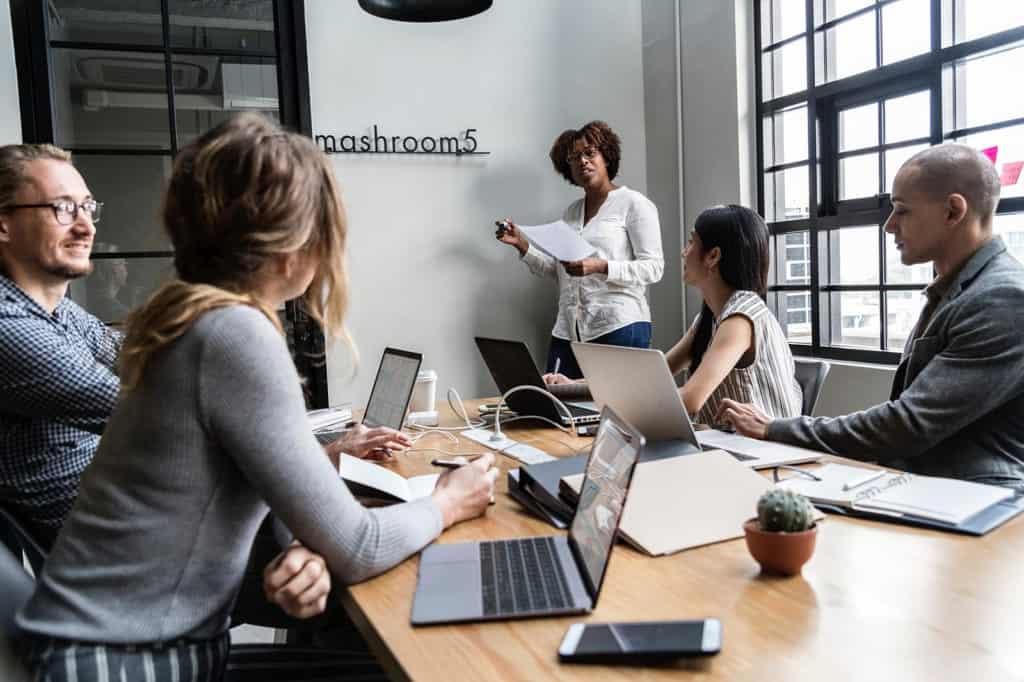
{"x":329,"y":418}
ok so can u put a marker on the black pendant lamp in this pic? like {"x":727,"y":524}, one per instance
{"x":424,"y":10}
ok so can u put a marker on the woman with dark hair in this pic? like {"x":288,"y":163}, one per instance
{"x":735,"y":348}
{"x":602,"y":298}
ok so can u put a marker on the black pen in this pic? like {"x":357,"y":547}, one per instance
{"x":451,"y":463}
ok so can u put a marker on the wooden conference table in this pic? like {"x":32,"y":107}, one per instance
{"x":877,"y":601}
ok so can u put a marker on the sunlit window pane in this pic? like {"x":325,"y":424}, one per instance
{"x":858,"y":127}
{"x":853,"y":255}
{"x":894,"y":158}
{"x":840,"y":8}
{"x":908,"y":117}
{"x":856,"y":319}
{"x":787,"y":194}
{"x":785,"y":137}
{"x":906,"y":30}
{"x":984,"y":89}
{"x":793,"y":251}
{"x":977,"y":18}
{"x":1008,"y":146}
{"x":903,"y":308}
{"x":858,"y":176}
{"x":793,"y":311}
{"x":784,"y":70}
{"x":782,"y":19}
{"x":1010,"y":226}
{"x":849,"y":47}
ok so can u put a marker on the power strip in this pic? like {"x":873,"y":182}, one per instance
{"x":527,"y":454}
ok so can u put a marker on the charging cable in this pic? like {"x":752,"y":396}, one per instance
{"x":497,"y":435}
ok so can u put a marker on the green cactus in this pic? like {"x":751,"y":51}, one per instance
{"x":785,"y":511}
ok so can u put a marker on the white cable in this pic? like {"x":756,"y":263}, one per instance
{"x":497,"y":436}
{"x":464,"y":414}
{"x":429,"y":430}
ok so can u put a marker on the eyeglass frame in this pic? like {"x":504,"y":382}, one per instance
{"x":59,"y":206}
{"x":588,"y":152}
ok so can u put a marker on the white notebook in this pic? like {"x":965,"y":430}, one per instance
{"x":367,"y":479}
{"x":940,"y":499}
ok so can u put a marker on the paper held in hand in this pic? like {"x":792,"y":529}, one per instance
{"x":558,"y":240}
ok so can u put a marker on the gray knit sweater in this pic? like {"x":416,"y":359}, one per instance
{"x":157,"y":542}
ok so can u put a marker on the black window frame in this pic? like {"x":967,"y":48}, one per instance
{"x":823,"y":101}
{"x":32,"y":58}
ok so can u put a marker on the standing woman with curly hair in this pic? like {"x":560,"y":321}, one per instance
{"x":210,"y":430}
{"x":602,"y":298}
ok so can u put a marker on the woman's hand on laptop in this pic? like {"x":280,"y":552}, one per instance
{"x":368,"y":443}
{"x":464,"y":493}
{"x":554,"y":378}
{"x":745,"y":418}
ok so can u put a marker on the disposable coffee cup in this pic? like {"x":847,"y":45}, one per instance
{"x":424,"y":392}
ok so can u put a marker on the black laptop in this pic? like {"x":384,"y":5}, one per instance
{"x":392,"y":389}
{"x":538,"y":576}
{"x":511,"y":365}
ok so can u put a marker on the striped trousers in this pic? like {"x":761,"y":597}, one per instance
{"x":53,"y":660}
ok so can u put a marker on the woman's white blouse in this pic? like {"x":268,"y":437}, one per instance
{"x":626,"y":233}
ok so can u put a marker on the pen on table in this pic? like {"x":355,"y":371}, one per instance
{"x":558,"y":364}
{"x":453,"y":463}
{"x":856,"y":483}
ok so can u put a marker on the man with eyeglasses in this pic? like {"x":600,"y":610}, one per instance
{"x":58,"y":384}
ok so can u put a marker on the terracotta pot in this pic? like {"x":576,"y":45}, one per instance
{"x":779,"y":552}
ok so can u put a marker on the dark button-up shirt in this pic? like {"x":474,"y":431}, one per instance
{"x":57,"y":390}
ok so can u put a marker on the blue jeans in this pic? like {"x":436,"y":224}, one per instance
{"x":636,"y":335}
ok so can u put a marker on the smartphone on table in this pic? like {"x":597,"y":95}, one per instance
{"x":641,"y":641}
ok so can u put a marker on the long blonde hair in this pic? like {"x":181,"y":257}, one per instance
{"x":244,"y":192}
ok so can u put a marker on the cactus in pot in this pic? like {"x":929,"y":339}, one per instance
{"x":782,"y":535}
{"x":780,"y":510}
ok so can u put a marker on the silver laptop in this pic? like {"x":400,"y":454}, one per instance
{"x":390,"y":395}
{"x":540,"y":576}
{"x":638,"y":384}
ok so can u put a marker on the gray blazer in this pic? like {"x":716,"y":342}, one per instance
{"x":958,"y":396}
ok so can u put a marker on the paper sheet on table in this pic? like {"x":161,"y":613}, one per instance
{"x":558,"y":240}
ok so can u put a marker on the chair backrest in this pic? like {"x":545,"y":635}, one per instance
{"x":810,"y":374}
{"x":17,"y":539}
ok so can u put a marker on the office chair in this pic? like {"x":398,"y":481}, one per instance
{"x":810,"y":374}
{"x":246,"y":662}
{"x":19,"y":541}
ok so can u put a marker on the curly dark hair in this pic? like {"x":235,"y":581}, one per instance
{"x":596,"y":133}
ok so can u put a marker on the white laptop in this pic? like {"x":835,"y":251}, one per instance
{"x":638,"y":385}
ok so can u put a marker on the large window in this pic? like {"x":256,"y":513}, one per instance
{"x":123,"y":86}
{"x":847,"y":91}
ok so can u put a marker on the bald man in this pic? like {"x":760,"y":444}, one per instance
{"x":957,"y":402}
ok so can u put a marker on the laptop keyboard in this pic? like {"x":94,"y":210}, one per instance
{"x":522,"y":576}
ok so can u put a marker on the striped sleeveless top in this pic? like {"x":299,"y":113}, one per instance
{"x":769,"y":382}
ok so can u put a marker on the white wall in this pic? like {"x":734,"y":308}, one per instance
{"x":426,"y":272}
{"x":10,"y":112}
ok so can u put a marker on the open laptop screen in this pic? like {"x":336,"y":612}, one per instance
{"x":603,"y":495}
{"x":392,"y":388}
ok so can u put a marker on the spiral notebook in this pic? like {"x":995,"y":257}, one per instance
{"x":943,"y":503}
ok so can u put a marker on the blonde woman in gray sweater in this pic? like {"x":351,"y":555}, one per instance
{"x":210,"y":430}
